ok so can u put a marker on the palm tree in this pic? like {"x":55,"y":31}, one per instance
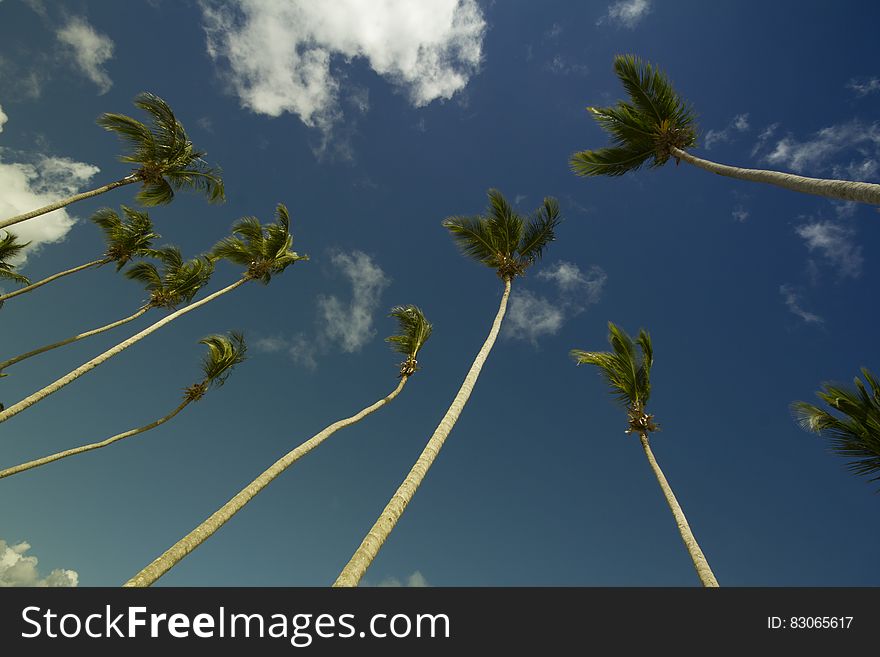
{"x":855,"y":434}
{"x":414,"y":332}
{"x":265,"y":249}
{"x":177,"y":284}
{"x":126,"y":239}
{"x":165,"y":158}
{"x":656,"y":124}
{"x":224,"y":353}
{"x":629,"y":376}
{"x":506,"y":242}
{"x":10,"y":247}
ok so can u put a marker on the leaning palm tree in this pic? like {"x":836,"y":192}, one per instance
{"x":224,"y":353}
{"x":656,"y":124}
{"x":414,"y":332}
{"x":10,"y":247}
{"x":177,"y":284}
{"x":264,"y":249}
{"x":855,"y":433}
{"x":126,"y":239}
{"x":165,"y":160}
{"x":506,"y":242}
{"x":629,"y":375}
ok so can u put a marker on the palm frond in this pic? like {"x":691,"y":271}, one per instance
{"x":10,"y":247}
{"x":146,"y":273}
{"x":414,"y":330}
{"x":155,"y":193}
{"x":474,"y":239}
{"x":224,"y":353}
{"x":540,"y":231}
{"x":614,"y":161}
{"x":126,"y":238}
{"x":506,"y":224}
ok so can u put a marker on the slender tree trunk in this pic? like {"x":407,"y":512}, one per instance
{"x":87,"y":448}
{"x":704,"y":572}
{"x":49,"y":279}
{"x":173,"y":555}
{"x":75,"y":338}
{"x":843,"y":190}
{"x":17,"y":408}
{"x":132,"y":178}
{"x":356,"y":567}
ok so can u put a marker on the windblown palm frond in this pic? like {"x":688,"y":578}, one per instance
{"x":263,"y":250}
{"x":224,"y":353}
{"x":166,"y":157}
{"x":10,"y":247}
{"x":655,"y":120}
{"x":126,"y":238}
{"x":540,"y":231}
{"x":414,"y":332}
{"x":179,"y":280}
{"x":855,"y":433}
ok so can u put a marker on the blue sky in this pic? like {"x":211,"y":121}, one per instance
{"x":373,"y":122}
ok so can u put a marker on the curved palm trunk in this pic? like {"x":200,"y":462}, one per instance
{"x":704,"y":572}
{"x":843,"y":190}
{"x":132,"y":178}
{"x":75,"y":338}
{"x":381,"y":530}
{"x":8,"y":472}
{"x":173,"y":555}
{"x":17,"y":408}
{"x":49,"y":279}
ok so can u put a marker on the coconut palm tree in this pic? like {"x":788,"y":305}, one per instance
{"x":264,"y":249}
{"x":509,"y":244}
{"x":855,"y":432}
{"x":165,"y":160}
{"x":414,"y":332}
{"x":126,"y":239}
{"x":224,"y":353}
{"x":629,"y":376}
{"x":656,"y":125}
{"x":177,"y":284}
{"x":10,"y":247}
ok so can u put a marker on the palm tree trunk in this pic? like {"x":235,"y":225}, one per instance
{"x":173,"y":555}
{"x":87,"y":448}
{"x":131,"y":178}
{"x":49,"y":279}
{"x":704,"y":572}
{"x":842,"y":190}
{"x":75,"y":338}
{"x":17,"y":408}
{"x":356,"y":567}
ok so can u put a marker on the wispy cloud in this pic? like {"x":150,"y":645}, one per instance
{"x":740,"y":213}
{"x":627,"y":13}
{"x":815,"y":154}
{"x":763,"y":137}
{"x":416,"y":580}
{"x":17,"y":568}
{"x":739,"y":124}
{"x":864,"y":87}
{"x":561,"y":65}
{"x":792,"y":301}
{"x":279,"y":54}
{"x":836,"y":244}
{"x":3,"y":118}
{"x":91,"y":50}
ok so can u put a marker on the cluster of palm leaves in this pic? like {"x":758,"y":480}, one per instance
{"x":654,"y":125}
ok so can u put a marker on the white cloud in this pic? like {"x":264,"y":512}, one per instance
{"x":416,"y":580}
{"x":91,"y":50}
{"x":578,"y":289}
{"x":763,"y":137}
{"x":350,"y":325}
{"x":302,"y":351}
{"x":560,"y":65}
{"x":864,"y":87}
{"x":530,"y":316}
{"x":3,"y":118}
{"x":814,"y":154}
{"x":837,"y":245}
{"x":740,"y":213}
{"x":270,"y":345}
{"x":205,"y":123}
{"x":285,"y":57}
{"x":793,"y":302}
{"x":627,"y":13}
{"x":739,"y":123}
{"x":27,"y":186}
{"x":20,"y":569}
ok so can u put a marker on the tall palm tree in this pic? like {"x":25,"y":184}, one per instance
{"x":165,"y":160}
{"x":265,"y":249}
{"x":509,"y":244}
{"x":656,"y":125}
{"x":9,"y":248}
{"x":177,"y":284}
{"x":629,"y":376}
{"x":855,"y":433}
{"x":224,"y":353}
{"x":126,"y":239}
{"x":414,"y":332}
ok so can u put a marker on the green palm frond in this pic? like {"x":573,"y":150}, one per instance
{"x":414,"y":332}
{"x":10,"y":247}
{"x":126,"y":238}
{"x":540,"y":231}
{"x":854,"y":432}
{"x":473,"y":237}
{"x":224,"y":353}
{"x":646,"y":128}
{"x":166,"y":157}
{"x":179,"y":280}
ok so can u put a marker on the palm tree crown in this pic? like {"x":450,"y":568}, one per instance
{"x":503,"y":239}
{"x":127,"y":237}
{"x":166,"y":158}
{"x":262,"y":250}
{"x":10,"y":247}
{"x":654,"y":121}
{"x":414,"y":332}
{"x":179,"y":280}
{"x":627,"y":372}
{"x":224,"y":353}
{"x":854,"y":434}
